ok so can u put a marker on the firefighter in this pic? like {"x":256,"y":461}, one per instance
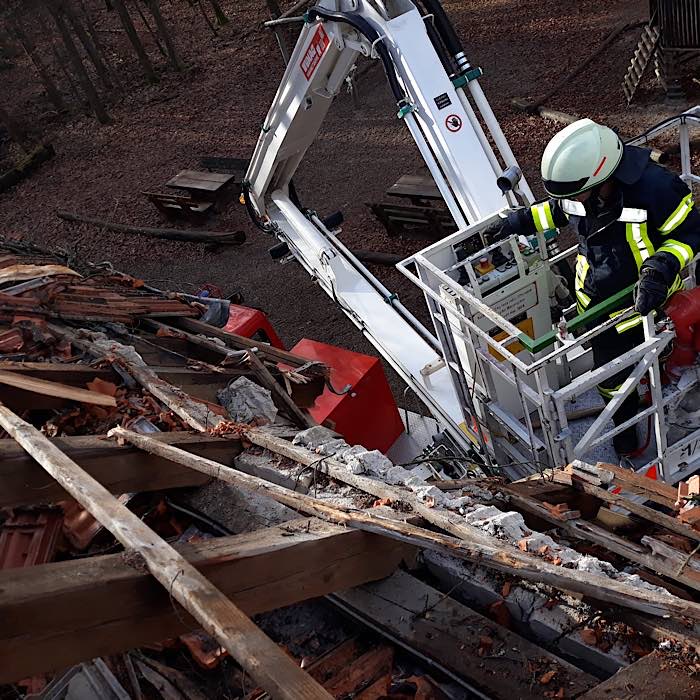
{"x":635,"y":223}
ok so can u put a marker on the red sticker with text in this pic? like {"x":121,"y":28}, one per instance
{"x":313,"y":54}
{"x":453,"y":122}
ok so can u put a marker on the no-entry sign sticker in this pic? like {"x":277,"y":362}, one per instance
{"x":453,"y":122}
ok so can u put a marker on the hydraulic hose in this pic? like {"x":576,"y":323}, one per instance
{"x":447,"y":33}
{"x":371,"y":34}
{"x":245,"y":190}
{"x":439,"y":47}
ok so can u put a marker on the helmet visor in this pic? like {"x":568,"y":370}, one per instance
{"x":565,"y":189}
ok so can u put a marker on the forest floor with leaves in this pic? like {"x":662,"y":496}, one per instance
{"x":217,"y":106}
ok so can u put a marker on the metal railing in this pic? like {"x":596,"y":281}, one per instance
{"x":547,"y":372}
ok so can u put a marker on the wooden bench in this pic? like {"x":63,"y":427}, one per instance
{"x":222,"y":164}
{"x":179,"y":207}
{"x":409,"y":221}
{"x":417,"y":188}
{"x":202,"y":186}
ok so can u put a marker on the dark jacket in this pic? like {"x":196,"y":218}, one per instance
{"x":649,"y":220}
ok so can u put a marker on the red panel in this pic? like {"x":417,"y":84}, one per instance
{"x":367,"y":415}
{"x":245,"y":321}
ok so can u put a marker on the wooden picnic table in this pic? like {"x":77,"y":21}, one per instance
{"x":417,"y":188}
{"x":201,"y":185}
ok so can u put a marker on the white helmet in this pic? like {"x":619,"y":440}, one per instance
{"x":579,"y":157}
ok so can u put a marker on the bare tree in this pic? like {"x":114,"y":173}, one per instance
{"x":205,"y":15}
{"x":149,"y":29}
{"x":165,"y":33}
{"x":77,"y":63}
{"x":221,"y":17}
{"x":94,"y":35}
{"x":88,"y":45}
{"x":135,"y":40}
{"x":44,"y":75}
{"x":59,"y":54}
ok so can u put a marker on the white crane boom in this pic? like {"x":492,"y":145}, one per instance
{"x":435,"y":106}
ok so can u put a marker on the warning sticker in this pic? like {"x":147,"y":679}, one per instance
{"x":453,"y":122}
{"x":313,"y":54}
{"x":443,"y":101}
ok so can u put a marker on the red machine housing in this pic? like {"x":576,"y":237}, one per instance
{"x":367,"y":414}
{"x":251,"y":323}
{"x":684,"y":311}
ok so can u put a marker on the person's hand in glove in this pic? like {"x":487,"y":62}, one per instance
{"x":502,"y":228}
{"x":652,"y":288}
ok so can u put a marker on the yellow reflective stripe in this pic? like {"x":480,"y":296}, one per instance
{"x":679,"y":215}
{"x":629,"y":323}
{"x":550,"y":218}
{"x":542,"y":216}
{"x":682,"y":251}
{"x":608,"y":393}
{"x":625,"y":325}
{"x":583,"y":299}
{"x":639,"y":243}
{"x":582,"y":266}
{"x":676,"y":286}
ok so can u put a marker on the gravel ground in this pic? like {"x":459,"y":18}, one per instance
{"x":217,"y":107}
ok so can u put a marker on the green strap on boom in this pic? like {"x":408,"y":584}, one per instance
{"x":595,"y":312}
{"x":462,"y":80}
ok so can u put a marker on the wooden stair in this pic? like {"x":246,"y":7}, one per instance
{"x":646,"y":47}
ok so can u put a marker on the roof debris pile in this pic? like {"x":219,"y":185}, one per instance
{"x":141,"y":442}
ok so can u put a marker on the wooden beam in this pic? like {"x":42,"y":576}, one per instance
{"x":120,"y":469}
{"x":239,"y":342}
{"x":258,"y":655}
{"x":654,"y":516}
{"x":47,"y":388}
{"x":470,"y":544}
{"x":630,"y":481}
{"x":302,"y":419}
{"x":653,"y":676}
{"x":583,"y":530}
{"x":660,"y":629}
{"x":212,"y":351}
{"x":201,"y":384}
{"x":451,"y":634}
{"x":55,"y":615}
{"x":195,"y":413}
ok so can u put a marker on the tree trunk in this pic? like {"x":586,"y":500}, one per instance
{"x":26,"y":167}
{"x":90,"y":48}
{"x":165,"y":33}
{"x":170,"y":234}
{"x":29,"y":48}
{"x":59,"y":56}
{"x":280,"y":32}
{"x":135,"y":40}
{"x":146,"y":24}
{"x":78,"y":67}
{"x":221,"y":17}
{"x":94,"y":35}
{"x":206,"y":17}
{"x":62,"y":61}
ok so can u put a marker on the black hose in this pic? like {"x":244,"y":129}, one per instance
{"x":439,"y":46}
{"x":447,"y":33}
{"x":293,"y":195}
{"x":371,"y":34}
{"x":245,"y":189}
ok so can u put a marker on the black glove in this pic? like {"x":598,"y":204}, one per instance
{"x":501,"y":229}
{"x":651,"y":291}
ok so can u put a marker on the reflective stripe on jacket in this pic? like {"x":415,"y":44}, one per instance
{"x":656,"y":218}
